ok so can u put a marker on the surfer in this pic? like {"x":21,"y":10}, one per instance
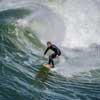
{"x":56,"y":53}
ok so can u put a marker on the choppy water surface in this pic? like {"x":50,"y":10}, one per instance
{"x":25,"y":26}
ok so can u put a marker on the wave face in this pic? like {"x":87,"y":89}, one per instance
{"x":26,"y":26}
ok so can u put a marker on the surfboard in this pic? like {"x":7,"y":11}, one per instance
{"x":43,"y":72}
{"x":47,"y":66}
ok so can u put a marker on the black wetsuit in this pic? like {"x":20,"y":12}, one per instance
{"x":52,"y":56}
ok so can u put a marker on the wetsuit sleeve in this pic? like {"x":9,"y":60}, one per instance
{"x":46,"y":51}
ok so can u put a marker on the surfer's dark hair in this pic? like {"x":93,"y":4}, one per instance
{"x":49,"y":42}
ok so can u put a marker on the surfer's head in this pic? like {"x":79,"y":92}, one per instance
{"x":49,"y":44}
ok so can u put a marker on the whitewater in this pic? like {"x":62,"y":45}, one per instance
{"x":26,"y":26}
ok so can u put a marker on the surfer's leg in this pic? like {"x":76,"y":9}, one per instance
{"x":51,"y":60}
{"x":52,"y":63}
{"x":52,"y":57}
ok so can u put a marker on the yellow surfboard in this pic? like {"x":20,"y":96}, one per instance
{"x":47,"y":66}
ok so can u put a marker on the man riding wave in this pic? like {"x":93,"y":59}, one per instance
{"x":56,"y":53}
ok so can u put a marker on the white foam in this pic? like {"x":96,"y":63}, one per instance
{"x":22,"y":22}
{"x":82,"y":23}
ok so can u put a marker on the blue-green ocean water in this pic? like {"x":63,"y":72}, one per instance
{"x":25,"y":26}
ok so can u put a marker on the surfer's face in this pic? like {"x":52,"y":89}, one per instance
{"x":49,"y":45}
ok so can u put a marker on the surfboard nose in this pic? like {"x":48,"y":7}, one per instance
{"x":49,"y":66}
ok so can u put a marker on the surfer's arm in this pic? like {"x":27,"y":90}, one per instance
{"x":46,"y":51}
